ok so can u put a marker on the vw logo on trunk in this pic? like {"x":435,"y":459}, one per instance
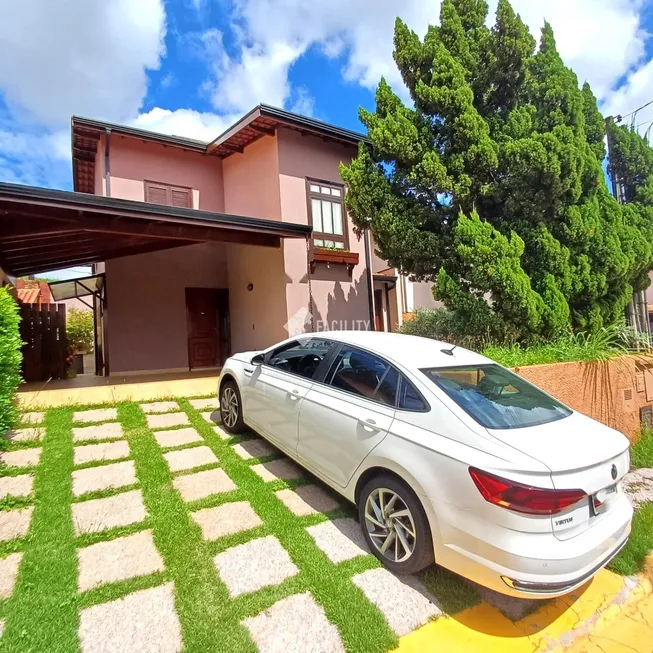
{"x":614,"y":472}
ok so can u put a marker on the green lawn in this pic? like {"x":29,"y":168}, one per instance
{"x":43,"y":613}
{"x":632,"y":559}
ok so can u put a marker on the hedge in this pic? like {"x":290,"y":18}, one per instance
{"x":10,"y":359}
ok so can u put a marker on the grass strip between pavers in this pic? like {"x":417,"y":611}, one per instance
{"x":361,"y":625}
{"x":42,"y":613}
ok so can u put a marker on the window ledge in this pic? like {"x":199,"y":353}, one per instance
{"x":336,"y":256}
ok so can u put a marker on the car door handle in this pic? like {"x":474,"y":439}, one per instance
{"x":294,"y":394}
{"x":248,"y":372}
{"x":368,"y":424}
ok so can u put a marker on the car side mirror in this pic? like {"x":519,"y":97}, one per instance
{"x":258,"y":359}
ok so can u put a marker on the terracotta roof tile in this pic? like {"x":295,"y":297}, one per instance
{"x":28,"y":295}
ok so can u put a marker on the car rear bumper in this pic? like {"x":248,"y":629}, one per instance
{"x":530,"y":565}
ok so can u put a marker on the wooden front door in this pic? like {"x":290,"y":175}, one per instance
{"x":378,"y":310}
{"x":205,"y":340}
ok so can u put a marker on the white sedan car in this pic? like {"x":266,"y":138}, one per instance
{"x":449,"y":457}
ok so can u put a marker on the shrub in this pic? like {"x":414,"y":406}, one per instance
{"x":79,"y":330}
{"x":10,"y":359}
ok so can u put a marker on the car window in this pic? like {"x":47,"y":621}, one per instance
{"x":365,"y":375}
{"x":497,"y":398}
{"x":302,"y":356}
{"x":409,"y":398}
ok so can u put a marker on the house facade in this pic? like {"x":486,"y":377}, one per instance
{"x":204,"y":249}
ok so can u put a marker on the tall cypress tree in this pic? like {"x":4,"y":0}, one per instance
{"x":491,"y":185}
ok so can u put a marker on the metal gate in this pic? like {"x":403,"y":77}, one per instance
{"x":45,"y":348}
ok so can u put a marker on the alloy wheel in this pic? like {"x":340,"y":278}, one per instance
{"x":229,"y":407}
{"x":390,"y":524}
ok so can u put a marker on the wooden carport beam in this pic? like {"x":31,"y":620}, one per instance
{"x":85,"y":260}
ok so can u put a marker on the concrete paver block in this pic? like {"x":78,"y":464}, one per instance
{"x":189,"y":458}
{"x":307,"y":500}
{"x":203,"y":484}
{"x":108,"y":431}
{"x":116,"y":560}
{"x":31,"y":418}
{"x":249,"y":567}
{"x":26,"y":435}
{"x":278,"y":469}
{"x":141,"y":622}
{"x":99,"y":515}
{"x":212,"y":416}
{"x":16,"y":486}
{"x":21,"y":458}
{"x":339,"y":540}
{"x":226,"y":519}
{"x":256,"y":448}
{"x":404,"y":602}
{"x":177,"y":438}
{"x":15,"y":523}
{"x":104,"y":477}
{"x":106,"y":451}
{"x":638,"y":485}
{"x":97,"y":415}
{"x":8,"y":574}
{"x":203,"y":404}
{"x":296,"y":624}
{"x":159,"y":407}
{"x":165,"y":420}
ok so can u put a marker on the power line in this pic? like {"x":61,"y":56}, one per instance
{"x":620,"y":118}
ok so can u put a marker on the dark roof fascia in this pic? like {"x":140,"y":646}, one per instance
{"x":314,"y":125}
{"x":133,"y":208}
{"x":177,"y":141}
{"x":292,"y":119}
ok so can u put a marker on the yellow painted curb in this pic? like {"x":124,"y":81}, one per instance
{"x":609,"y":615}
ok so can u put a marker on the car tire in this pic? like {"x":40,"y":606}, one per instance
{"x":380,"y":490}
{"x":231,"y":401}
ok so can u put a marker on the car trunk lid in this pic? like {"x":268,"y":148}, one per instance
{"x":581,"y":454}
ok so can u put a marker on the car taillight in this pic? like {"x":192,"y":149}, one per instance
{"x":523,"y":498}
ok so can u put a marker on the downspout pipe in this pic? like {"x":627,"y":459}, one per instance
{"x":107,"y":161}
{"x":370,"y":280}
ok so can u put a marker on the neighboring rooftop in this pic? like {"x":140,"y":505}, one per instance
{"x":261,"y":121}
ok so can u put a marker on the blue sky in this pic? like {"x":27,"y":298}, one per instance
{"x":193,"y":67}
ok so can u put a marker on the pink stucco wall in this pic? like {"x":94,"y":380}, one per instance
{"x":339,"y":300}
{"x":251,"y":180}
{"x":146,"y":316}
{"x":252,"y":188}
{"x":133,"y":162}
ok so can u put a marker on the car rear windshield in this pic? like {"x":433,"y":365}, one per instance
{"x":495,"y":397}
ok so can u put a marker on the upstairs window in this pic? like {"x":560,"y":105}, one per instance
{"x":156,"y":193}
{"x":327,"y":213}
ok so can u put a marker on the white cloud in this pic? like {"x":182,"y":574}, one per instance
{"x":76,"y":56}
{"x":71,"y":56}
{"x":185,"y":122}
{"x":601,"y":39}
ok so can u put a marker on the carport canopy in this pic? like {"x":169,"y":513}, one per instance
{"x":43,"y":229}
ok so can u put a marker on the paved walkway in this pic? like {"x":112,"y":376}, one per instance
{"x":612,"y":615}
{"x":102,"y":390}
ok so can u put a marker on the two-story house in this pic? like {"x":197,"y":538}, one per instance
{"x":202,"y":249}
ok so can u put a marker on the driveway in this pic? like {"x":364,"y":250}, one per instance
{"x":145,"y":527}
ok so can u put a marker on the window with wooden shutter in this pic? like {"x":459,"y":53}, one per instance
{"x":177,"y":196}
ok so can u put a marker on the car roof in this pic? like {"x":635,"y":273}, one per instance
{"x":409,"y":351}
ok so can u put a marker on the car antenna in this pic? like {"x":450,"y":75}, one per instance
{"x":448,"y":352}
